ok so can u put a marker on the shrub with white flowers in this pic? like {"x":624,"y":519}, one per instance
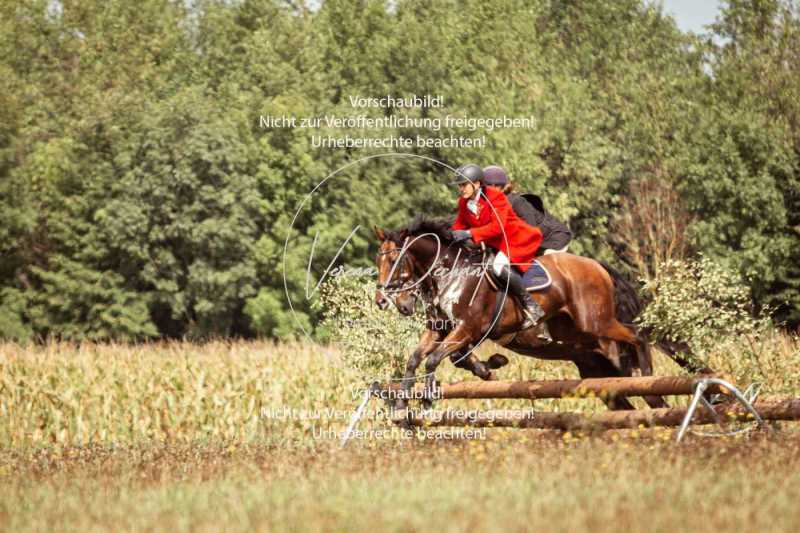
{"x":703,"y":304}
{"x":376,"y":343}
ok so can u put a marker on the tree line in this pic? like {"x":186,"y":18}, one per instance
{"x":142,"y":199}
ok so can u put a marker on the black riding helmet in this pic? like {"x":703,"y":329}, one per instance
{"x":470,"y":172}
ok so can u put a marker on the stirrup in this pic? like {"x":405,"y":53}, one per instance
{"x":544,"y":333}
{"x":529,"y":321}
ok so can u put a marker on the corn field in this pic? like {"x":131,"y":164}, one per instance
{"x":253,"y":392}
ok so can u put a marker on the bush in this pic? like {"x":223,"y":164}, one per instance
{"x":12,"y":311}
{"x":376,"y":343}
{"x":706,"y":306}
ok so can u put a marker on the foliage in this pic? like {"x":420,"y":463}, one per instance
{"x":703,"y":304}
{"x":650,"y":228}
{"x":134,"y":172}
{"x":374,"y":342}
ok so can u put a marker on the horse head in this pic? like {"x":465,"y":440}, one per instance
{"x":407,"y":258}
{"x":395,"y":272}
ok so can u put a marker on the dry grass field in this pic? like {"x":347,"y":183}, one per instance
{"x":510,"y":481}
{"x":242,"y":436}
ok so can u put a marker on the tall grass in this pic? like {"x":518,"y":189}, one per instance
{"x":89,"y":393}
{"x":247,"y":392}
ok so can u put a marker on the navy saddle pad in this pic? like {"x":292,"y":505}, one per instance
{"x":536,"y":277}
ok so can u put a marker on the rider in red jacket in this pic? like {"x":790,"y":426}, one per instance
{"x":485,"y":215}
{"x":519,"y":242}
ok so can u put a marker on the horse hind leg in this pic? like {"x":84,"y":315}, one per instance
{"x":595,"y":365}
{"x":617,"y":331}
{"x":644,"y":357}
{"x":611,"y":337}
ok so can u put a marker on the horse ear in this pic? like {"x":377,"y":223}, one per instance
{"x":379,"y":233}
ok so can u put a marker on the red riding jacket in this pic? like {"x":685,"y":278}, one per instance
{"x":520,"y":241}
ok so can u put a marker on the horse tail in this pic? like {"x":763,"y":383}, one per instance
{"x":628,"y":305}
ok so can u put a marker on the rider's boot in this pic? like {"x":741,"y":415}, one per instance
{"x":530,"y":308}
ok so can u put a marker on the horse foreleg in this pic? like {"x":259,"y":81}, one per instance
{"x":455,"y":341}
{"x":471,"y":362}
{"x":427,"y":344}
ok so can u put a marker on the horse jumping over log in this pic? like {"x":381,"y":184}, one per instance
{"x":423,"y":260}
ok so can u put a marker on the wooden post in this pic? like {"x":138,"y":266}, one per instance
{"x":600,"y":387}
{"x":785,"y":409}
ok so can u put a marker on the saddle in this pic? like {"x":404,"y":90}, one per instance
{"x":536,"y":278}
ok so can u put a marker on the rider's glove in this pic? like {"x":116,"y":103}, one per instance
{"x":461,"y":235}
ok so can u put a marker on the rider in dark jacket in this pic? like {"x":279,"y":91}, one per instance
{"x":556,"y":234}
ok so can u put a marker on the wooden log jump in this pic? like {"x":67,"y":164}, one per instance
{"x":768,"y":409}
{"x":784,"y":409}
{"x":600,"y":387}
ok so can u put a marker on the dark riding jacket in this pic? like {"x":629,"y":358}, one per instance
{"x":555,"y":233}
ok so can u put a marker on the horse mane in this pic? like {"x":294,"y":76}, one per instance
{"x":421,"y":225}
{"x":440,"y":227}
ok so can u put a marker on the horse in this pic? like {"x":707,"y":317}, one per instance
{"x":422,"y":260}
{"x":629,"y":306}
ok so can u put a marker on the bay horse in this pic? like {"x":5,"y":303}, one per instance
{"x":423,"y":260}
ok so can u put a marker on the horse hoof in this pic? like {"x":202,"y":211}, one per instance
{"x":399,"y":404}
{"x":497,"y":361}
{"x":404,"y":424}
{"x":399,"y":416}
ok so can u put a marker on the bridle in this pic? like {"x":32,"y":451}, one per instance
{"x":404,"y":274}
{"x":404,"y":281}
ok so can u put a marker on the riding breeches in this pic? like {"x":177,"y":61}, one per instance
{"x":500,"y":260}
